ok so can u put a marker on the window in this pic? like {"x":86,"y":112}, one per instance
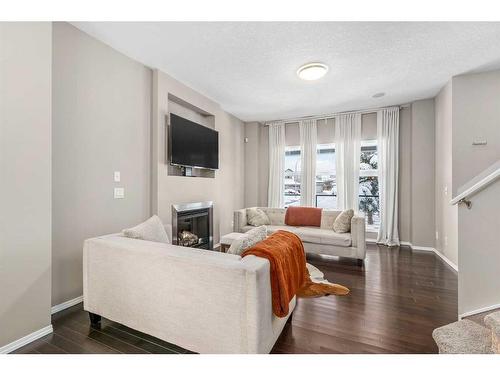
{"x":369,"y":202}
{"x":326,"y":183}
{"x":292,"y":176}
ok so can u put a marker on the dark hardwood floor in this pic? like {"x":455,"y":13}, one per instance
{"x":396,"y":300}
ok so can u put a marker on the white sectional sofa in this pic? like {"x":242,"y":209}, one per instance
{"x":317,"y":240}
{"x":203,"y":301}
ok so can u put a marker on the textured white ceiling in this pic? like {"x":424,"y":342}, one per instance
{"x":249,"y":68}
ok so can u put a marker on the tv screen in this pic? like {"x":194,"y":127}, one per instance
{"x":192,"y":144}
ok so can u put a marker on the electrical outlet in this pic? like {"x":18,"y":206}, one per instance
{"x":437,"y":235}
{"x":119,"y":193}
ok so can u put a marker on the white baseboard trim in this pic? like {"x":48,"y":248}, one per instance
{"x":443,"y":257}
{"x":479,"y":311}
{"x":26,"y":339}
{"x":423,"y":248}
{"x":65,"y":305}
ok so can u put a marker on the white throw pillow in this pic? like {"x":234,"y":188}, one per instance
{"x":257,"y":217}
{"x":246,"y":241}
{"x":342,"y":223}
{"x":150,"y":230}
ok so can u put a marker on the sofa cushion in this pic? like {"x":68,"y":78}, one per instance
{"x":303,"y":216}
{"x":274,"y":228}
{"x":150,"y":230}
{"x":247,"y":240}
{"x":257,"y":217}
{"x":323,"y":236}
{"x":342,"y":223}
{"x":276,"y":215}
{"x":246,"y":228}
{"x":328,"y":216}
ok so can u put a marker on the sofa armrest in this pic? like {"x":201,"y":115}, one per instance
{"x":240,"y":220}
{"x":358,"y":233}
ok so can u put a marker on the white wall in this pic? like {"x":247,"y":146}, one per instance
{"x":446,"y":215}
{"x":101,"y":124}
{"x":25,"y":170}
{"x":227,"y":189}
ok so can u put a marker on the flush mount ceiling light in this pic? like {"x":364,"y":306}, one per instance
{"x":378,"y":95}
{"x":312,"y":71}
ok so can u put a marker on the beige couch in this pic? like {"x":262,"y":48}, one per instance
{"x":317,"y":240}
{"x":204,"y":301}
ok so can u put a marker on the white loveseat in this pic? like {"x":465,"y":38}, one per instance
{"x":317,"y":240}
{"x":204,"y":301}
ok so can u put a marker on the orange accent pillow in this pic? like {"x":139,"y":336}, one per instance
{"x":303,"y":216}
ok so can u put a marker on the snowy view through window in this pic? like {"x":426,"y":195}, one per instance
{"x":368,"y":184}
{"x":326,"y":186}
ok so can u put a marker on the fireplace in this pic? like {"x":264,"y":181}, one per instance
{"x":192,"y":225}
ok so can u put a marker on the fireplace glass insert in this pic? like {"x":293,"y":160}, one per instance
{"x":192,"y":225}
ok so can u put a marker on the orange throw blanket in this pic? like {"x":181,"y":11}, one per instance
{"x":289,"y":275}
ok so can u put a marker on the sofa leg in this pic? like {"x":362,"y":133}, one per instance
{"x":95,"y":320}
{"x":361,"y":262}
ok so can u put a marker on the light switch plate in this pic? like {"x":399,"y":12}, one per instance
{"x":119,"y":193}
{"x":479,"y":142}
{"x":117,"y":176}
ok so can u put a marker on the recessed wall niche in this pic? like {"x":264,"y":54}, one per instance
{"x":184,"y":109}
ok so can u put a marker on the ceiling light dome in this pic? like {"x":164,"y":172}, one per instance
{"x":312,"y":71}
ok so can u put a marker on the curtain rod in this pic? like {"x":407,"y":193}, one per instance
{"x":332,"y":115}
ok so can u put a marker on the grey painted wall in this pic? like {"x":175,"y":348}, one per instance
{"x":256,"y":164}
{"x":476,"y":115}
{"x":423,"y":173}
{"x":405,"y":175}
{"x":227,"y":189}
{"x":101,"y":124}
{"x":478,"y":255}
{"x":416,"y":135}
{"x":446,"y":219}
{"x":25,"y":170}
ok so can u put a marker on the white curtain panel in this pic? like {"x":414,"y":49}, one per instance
{"x":388,"y":164}
{"x":276,"y":187}
{"x":308,"y":142}
{"x":347,"y":154}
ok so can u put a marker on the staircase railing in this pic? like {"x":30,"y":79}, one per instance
{"x":477,"y":184}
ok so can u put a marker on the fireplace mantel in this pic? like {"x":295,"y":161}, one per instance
{"x":192,"y":206}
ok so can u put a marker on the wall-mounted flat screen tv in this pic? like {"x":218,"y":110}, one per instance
{"x":192,"y":145}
